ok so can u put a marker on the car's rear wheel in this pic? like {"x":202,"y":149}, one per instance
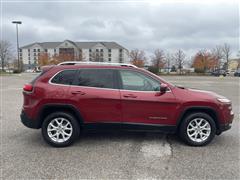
{"x":197,"y":129}
{"x":60,"y":129}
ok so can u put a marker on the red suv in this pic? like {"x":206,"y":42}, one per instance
{"x":71,"y":97}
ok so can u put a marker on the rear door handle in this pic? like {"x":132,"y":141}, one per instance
{"x":129,"y":96}
{"x":78,"y":92}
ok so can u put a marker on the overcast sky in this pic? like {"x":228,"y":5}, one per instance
{"x":188,"y":25}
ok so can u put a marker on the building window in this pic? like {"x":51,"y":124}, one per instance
{"x":120,"y":50}
{"x":34,"y":50}
{"x":90,"y":59}
{"x":28,"y":58}
{"x":90,"y":50}
{"x":45,"y":50}
{"x":109,"y":59}
{"x":97,"y":50}
{"x":55,"y":50}
{"x":20,"y":50}
{"x":38,"y":50}
{"x":28,"y":54}
{"x":109,"y":50}
{"x":29,"y":62}
{"x":109,"y":55}
{"x":101,"y":50}
{"x":67,"y":51}
{"x":28,"y":50}
{"x":34,"y":54}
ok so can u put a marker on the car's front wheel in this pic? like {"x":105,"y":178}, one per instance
{"x":60,"y":129}
{"x":197,"y":129}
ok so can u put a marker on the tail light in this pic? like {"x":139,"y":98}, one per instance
{"x":28,"y":87}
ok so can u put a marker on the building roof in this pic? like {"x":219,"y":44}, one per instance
{"x":81,"y":45}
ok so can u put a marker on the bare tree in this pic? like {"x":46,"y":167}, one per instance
{"x":179,"y":57}
{"x":158,"y":60}
{"x":238,"y":54}
{"x":5,"y":52}
{"x":226,"y":53}
{"x":218,"y":54}
{"x":169,"y":58}
{"x":138,"y":57}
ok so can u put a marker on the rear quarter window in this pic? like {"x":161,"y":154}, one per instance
{"x":64,"y":77}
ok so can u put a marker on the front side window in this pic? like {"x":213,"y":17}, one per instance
{"x":101,"y":78}
{"x":64,"y":77}
{"x":138,"y":82}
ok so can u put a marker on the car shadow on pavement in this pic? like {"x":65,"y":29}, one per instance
{"x":95,"y":138}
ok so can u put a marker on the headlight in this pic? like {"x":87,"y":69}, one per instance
{"x":223,"y":100}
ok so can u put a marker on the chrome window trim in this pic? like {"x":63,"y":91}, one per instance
{"x":49,"y":81}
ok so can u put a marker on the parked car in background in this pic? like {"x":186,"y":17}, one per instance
{"x":30,"y":70}
{"x":231,"y":72}
{"x":71,"y":97}
{"x":219,"y":72}
{"x":237,"y":73}
{"x":37,"y":69}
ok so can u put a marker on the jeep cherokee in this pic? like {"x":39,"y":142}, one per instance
{"x":68,"y":98}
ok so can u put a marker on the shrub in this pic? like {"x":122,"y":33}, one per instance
{"x":16,"y":71}
{"x":197,"y":70}
{"x":153,"y":69}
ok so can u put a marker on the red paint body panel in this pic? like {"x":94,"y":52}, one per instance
{"x":149,"y":107}
{"x":98,"y":105}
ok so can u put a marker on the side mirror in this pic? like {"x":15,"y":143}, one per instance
{"x":163,"y":88}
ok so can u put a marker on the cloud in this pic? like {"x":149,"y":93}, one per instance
{"x":170,"y":26}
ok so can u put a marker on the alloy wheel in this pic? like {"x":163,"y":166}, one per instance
{"x":198,"y":130}
{"x":59,"y":130}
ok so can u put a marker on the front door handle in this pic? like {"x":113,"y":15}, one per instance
{"x":78,"y":92}
{"x":129,"y":96}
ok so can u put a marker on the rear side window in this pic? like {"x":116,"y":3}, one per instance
{"x":101,"y":78}
{"x":64,"y":77}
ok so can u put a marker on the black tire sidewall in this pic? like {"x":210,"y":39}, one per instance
{"x":71,"y":119}
{"x":186,"y":121}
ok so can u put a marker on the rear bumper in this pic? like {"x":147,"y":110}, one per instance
{"x":30,"y":123}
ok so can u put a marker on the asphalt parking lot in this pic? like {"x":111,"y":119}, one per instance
{"x":25,"y":155}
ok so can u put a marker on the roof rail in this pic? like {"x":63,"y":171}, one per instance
{"x":96,"y":63}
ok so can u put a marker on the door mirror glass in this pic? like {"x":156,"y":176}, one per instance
{"x":163,"y":88}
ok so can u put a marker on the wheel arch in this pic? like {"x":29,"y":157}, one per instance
{"x":50,"y":108}
{"x":203,"y":109}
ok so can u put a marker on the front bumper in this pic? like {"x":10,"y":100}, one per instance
{"x":30,"y":123}
{"x":223,"y":127}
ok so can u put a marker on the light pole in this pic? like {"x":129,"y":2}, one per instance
{"x":17,"y":23}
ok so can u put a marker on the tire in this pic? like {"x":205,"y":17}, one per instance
{"x":197,"y":134}
{"x":63,"y":127}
